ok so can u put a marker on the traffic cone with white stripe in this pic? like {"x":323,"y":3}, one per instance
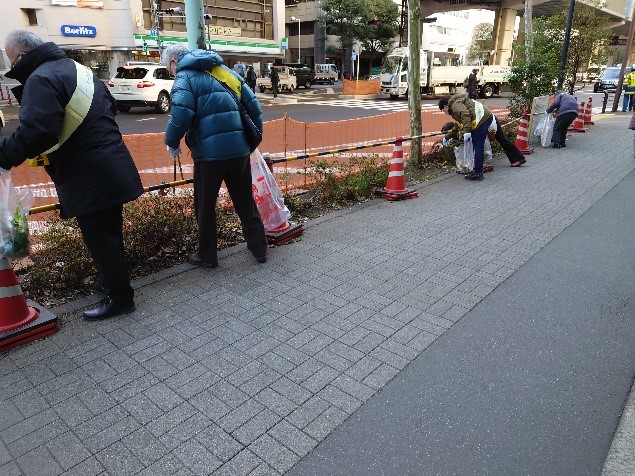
{"x":395,"y":188}
{"x":522,"y":137}
{"x":578,"y":124}
{"x":19,"y":322}
{"x":587,"y":112}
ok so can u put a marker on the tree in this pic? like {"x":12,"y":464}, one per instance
{"x":535,"y":73}
{"x":381,"y":25}
{"x":344,"y":18}
{"x":481,"y":45}
{"x":374,"y":23}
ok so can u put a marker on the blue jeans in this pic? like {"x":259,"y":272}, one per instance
{"x":478,"y":139}
{"x":627,"y":104}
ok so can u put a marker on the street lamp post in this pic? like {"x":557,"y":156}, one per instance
{"x":299,"y":52}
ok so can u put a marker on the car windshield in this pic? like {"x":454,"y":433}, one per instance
{"x":131,"y":73}
{"x":611,"y":73}
{"x":391,"y":64}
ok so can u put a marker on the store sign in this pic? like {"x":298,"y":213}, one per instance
{"x":284,"y":44}
{"x":225,"y":31}
{"x":74,"y":30}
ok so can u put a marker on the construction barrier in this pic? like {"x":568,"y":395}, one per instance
{"x":588,"y":112}
{"x":578,"y":123}
{"x":19,"y":322}
{"x":395,"y":188}
{"x":522,"y":138}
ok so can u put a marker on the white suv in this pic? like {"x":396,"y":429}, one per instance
{"x":142,"y":85}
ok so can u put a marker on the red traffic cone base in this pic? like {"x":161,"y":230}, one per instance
{"x":284,"y":233}
{"x":395,"y":188}
{"x":522,"y":137}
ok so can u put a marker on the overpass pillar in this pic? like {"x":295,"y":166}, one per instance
{"x":504,"y":22}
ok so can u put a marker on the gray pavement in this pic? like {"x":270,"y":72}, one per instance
{"x":482,"y":328}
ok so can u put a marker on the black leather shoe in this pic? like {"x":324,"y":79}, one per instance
{"x":556,"y":145}
{"x":519,"y":163}
{"x":261,"y":259}
{"x":108,"y":308}
{"x":474,"y":176}
{"x":197,"y":261}
{"x":563,"y":144}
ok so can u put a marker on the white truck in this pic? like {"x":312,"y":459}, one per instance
{"x":287,"y":80}
{"x":326,"y":73}
{"x":436,"y":79}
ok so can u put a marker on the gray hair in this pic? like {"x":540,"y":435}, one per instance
{"x":23,"y":41}
{"x":173,"y":51}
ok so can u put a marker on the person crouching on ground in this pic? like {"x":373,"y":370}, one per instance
{"x":92,"y":169}
{"x":208,"y":115}
{"x":567,"y":110}
{"x":472,"y":122}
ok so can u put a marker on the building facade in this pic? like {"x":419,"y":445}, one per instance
{"x":106,"y":34}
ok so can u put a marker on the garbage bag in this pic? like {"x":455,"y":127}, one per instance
{"x":464,"y":155}
{"x":14,"y":227}
{"x":267,"y":194}
{"x":544,"y":129}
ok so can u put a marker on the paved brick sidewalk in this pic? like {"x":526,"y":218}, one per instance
{"x":246,"y":368}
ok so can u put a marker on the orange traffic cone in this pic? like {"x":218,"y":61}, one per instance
{"x":587,"y":112}
{"x":395,"y":188}
{"x":14,"y":311}
{"x":578,"y":124}
{"x":19,"y":322}
{"x":522,"y":137}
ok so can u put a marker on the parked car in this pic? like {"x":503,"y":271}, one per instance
{"x":608,"y":80}
{"x":142,"y":85}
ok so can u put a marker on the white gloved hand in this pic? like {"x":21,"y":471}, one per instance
{"x":445,"y":142}
{"x":174,"y":152}
{"x":467,"y":137}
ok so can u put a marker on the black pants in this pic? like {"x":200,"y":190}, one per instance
{"x":102,"y":232}
{"x":274,"y":89}
{"x":511,"y":151}
{"x":208,"y":176}
{"x":563,"y":121}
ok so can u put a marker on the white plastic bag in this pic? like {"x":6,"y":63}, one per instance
{"x":487,"y":150}
{"x":544,"y":129}
{"x":464,"y":154}
{"x":14,"y":209}
{"x":267,"y":194}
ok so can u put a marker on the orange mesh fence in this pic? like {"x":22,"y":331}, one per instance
{"x":283,"y":138}
{"x":360,"y":87}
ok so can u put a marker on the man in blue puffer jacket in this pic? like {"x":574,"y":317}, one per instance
{"x":207,"y":115}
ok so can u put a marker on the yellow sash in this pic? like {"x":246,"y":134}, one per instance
{"x":226,"y":76}
{"x":75,"y":112}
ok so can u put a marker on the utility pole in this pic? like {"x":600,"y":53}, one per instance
{"x":195,"y":24}
{"x":565,"y":44}
{"x":529,"y":38}
{"x":414,"y":74}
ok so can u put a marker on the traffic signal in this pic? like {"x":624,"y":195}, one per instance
{"x":145,"y":46}
{"x":374,"y":21}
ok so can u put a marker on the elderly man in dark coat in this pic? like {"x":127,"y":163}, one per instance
{"x":92,"y":168}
